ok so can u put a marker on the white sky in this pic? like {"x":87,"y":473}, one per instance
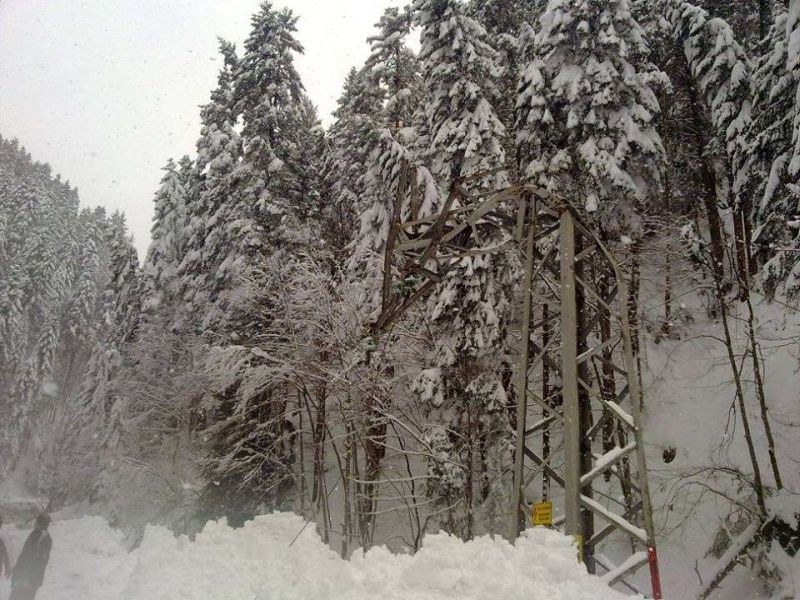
{"x":107,"y":90}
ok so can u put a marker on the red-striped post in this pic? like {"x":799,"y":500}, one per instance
{"x":655,"y":578}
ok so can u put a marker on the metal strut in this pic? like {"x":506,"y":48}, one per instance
{"x":575,"y":337}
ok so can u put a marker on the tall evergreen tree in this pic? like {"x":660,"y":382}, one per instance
{"x":460,"y":132}
{"x":394,"y":67}
{"x":213,"y":205}
{"x":462,"y":136}
{"x":350,"y":142}
{"x":588,"y":108}
{"x":778,"y":103}
{"x":125,"y":284}
{"x":166,"y":250}
{"x":506,"y":22}
{"x":270,"y":220}
{"x":268,"y":94}
{"x":771,"y":138}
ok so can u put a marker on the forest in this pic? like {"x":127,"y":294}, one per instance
{"x":235,"y":370}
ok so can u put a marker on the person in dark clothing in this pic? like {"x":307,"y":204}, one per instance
{"x":28,"y":574}
{"x":5,"y":564}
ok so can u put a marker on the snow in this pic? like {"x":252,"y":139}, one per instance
{"x":279,"y":556}
{"x":688,"y":395}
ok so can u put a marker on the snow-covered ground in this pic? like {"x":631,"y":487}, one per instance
{"x":280,"y":557}
{"x":690,"y":407}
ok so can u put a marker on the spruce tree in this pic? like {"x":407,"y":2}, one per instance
{"x":212,"y":203}
{"x":461,"y":135}
{"x":393,"y":67}
{"x":587,"y":109}
{"x":268,"y":95}
{"x":160,"y":272}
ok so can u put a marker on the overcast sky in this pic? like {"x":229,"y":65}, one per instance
{"x":107,"y":90}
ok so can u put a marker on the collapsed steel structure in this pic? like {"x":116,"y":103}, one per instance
{"x":575,"y":341}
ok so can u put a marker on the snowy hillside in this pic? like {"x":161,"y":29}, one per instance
{"x":279,"y":557}
{"x":690,"y":408}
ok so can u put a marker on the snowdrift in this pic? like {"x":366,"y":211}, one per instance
{"x":280,"y":557}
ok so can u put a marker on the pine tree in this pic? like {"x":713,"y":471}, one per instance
{"x":587,"y":109}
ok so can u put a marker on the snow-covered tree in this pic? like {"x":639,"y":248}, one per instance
{"x":460,"y":133}
{"x":268,"y":95}
{"x":793,"y":65}
{"x":771,"y":146}
{"x":462,"y":136}
{"x":393,"y":66}
{"x":350,"y":142}
{"x":213,"y":205}
{"x":587,"y":109}
{"x":125,"y":284}
{"x":271,"y":220}
{"x":506,"y":22}
{"x":776,"y":146}
{"x":160,"y":271}
{"x":721,"y":69}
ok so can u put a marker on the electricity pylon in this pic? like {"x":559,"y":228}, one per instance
{"x":575,"y":340}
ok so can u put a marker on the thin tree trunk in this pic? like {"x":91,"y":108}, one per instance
{"x":759,"y":381}
{"x":633,"y":312}
{"x":759,"y":485}
{"x":301,"y":452}
{"x":741,"y":241}
{"x":764,"y":17}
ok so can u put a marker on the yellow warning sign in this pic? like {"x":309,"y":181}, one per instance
{"x":542,"y":513}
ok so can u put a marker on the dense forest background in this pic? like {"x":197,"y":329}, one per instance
{"x":232,"y":373}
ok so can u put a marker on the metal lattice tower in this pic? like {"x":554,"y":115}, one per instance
{"x":577,"y":379}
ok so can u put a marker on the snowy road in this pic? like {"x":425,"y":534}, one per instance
{"x":276,"y":557}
